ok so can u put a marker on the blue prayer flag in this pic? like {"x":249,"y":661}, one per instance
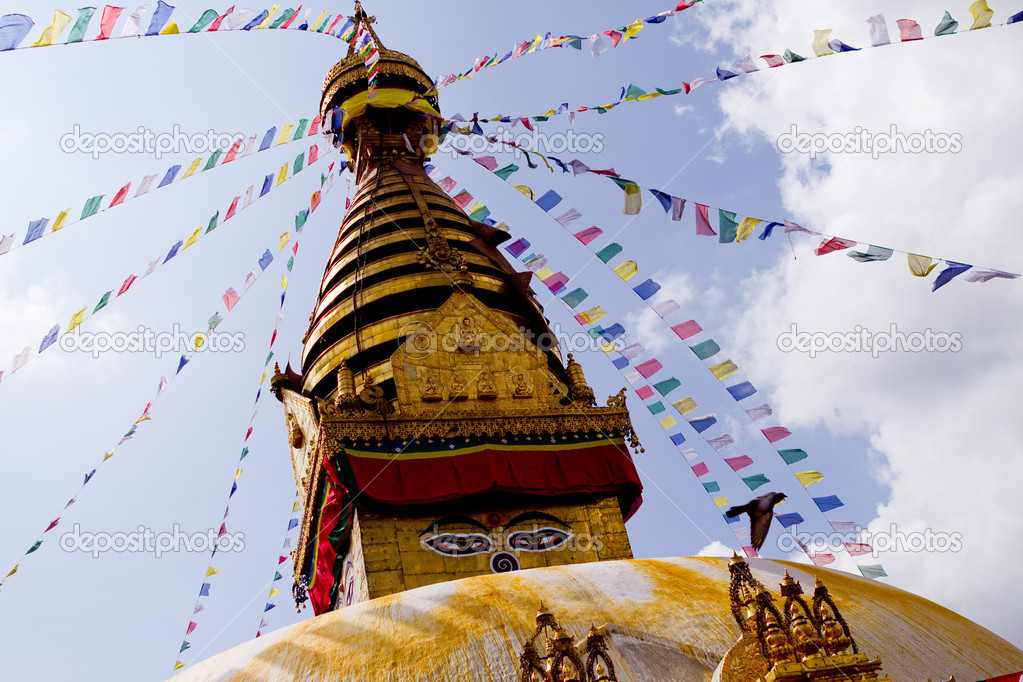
{"x":828,"y":503}
{"x":703,"y":423}
{"x":549,"y":200}
{"x":613,"y":332}
{"x":160,"y":16}
{"x":787,"y":520}
{"x":725,"y":74}
{"x":268,"y":139}
{"x":293,"y":523}
{"x":51,"y":338}
{"x":743,"y":390}
{"x":268,"y":182}
{"x":620,"y":363}
{"x":256,"y":21}
{"x":767,"y":230}
{"x":172,"y":173}
{"x":181,"y":364}
{"x":678,"y":438}
{"x":35,"y":229}
{"x":267,"y":258}
{"x":173,"y":252}
{"x":13,"y":29}
{"x":647,"y":289}
{"x":945,"y":276}
{"x":204,"y":591}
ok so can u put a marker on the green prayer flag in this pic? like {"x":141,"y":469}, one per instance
{"x":633,"y":93}
{"x":299,"y":162}
{"x":78,"y":30}
{"x":503,"y":173}
{"x":245,"y":452}
{"x":300,"y":130}
{"x":706,"y":349}
{"x":791,"y":57}
{"x":213,"y":222}
{"x":214,"y":321}
{"x":300,"y":219}
{"x":574,"y":298}
{"x":712,"y":487}
{"x":792,"y":456}
{"x":214,"y":158}
{"x":281,"y":19}
{"x":102,"y":302}
{"x":34,"y":547}
{"x":755,"y":481}
{"x":205,"y":20}
{"x":91,"y":207}
{"x":323,"y":24}
{"x":541,"y":118}
{"x":656,"y":408}
{"x":277,"y":576}
{"x":947,"y":26}
{"x":291,"y":263}
{"x":667,"y":386}
{"x":668,"y":92}
{"x":268,"y":359}
{"x":529,"y":162}
{"x":727,"y":227}
{"x":609,"y":251}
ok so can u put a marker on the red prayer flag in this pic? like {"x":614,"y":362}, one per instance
{"x":649,"y":368}
{"x":701,"y":469}
{"x":282,"y":560}
{"x":215,"y":26}
{"x":615,"y":36}
{"x":833,"y":244}
{"x":314,"y":153}
{"x":290,"y":19}
{"x":750,"y":552}
{"x":773,"y":60}
{"x":127,"y":284}
{"x":52,"y":525}
{"x":314,"y":127}
{"x":463,"y":198}
{"x":191,"y":626}
{"x":909,"y":30}
{"x":315,"y":202}
{"x":121,"y":195}
{"x":106,"y":24}
{"x":776,"y":433}
{"x":230,"y":298}
{"x":233,"y":209}
{"x":235,"y":148}
{"x":703,"y":221}
{"x":248,"y":433}
{"x":857,"y":548}
{"x":334,"y":23}
{"x":821,"y":559}
{"x":738,"y":462}
{"x":589,"y":234}
{"x":687,"y":329}
{"x":488,"y":162}
{"x":644,"y":392}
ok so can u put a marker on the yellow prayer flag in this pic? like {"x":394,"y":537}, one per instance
{"x":108,"y":455}
{"x":544,"y":272}
{"x":467,"y":130}
{"x":532,"y":48}
{"x":724,"y":369}
{"x":525,"y":190}
{"x":191,"y":240}
{"x":633,"y":199}
{"x":550,"y":112}
{"x":608,"y":347}
{"x":262,"y":379}
{"x":285,"y":133}
{"x":808,"y":478}
{"x":273,"y":10}
{"x":684,"y":406}
{"x":298,"y":505}
{"x":61,"y":219}
{"x":274,"y":592}
{"x":746,"y":228}
{"x":199,"y":340}
{"x":192,"y":168}
{"x":649,"y":95}
{"x":314,"y":24}
{"x":981,"y":14}
{"x":720,"y":501}
{"x":475,"y":206}
{"x":667,"y":422}
{"x":170,"y":29}
{"x":239,"y":472}
{"x":178,"y":665}
{"x":143,"y":418}
{"x":285,"y":238}
{"x":76,"y":320}
{"x":210,"y":571}
{"x":920,"y":266}
{"x":627,"y":270}
{"x":593,"y":314}
{"x":633,"y":28}
{"x":284,"y":283}
{"x":53,"y":31}
{"x":282,"y":175}
{"x":13,"y":571}
{"x":820,"y":42}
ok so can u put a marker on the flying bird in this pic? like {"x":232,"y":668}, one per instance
{"x":761,"y":511}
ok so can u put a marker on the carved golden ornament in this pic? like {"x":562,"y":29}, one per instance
{"x":346,"y":398}
{"x":579,"y":391}
{"x":561,"y":661}
{"x":295,"y":436}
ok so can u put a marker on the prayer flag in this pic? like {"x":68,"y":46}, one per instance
{"x":792,"y":456}
{"x":946,"y":26}
{"x":826,"y":504}
{"x":50,"y":338}
{"x":909,"y":30}
{"x":873,"y":571}
{"x":53,"y":31}
{"x":703,"y":221}
{"x":161,"y":15}
{"x":727,"y":227}
{"x":627,"y":270}
{"x":741,"y":391}
{"x":873,"y":253}
{"x":647,"y":289}
{"x":667,"y":386}
{"x":684,"y":406}
{"x":35,"y":230}
{"x":776,"y":433}
{"x":13,"y":29}
{"x":746,"y":228}
{"x":665,"y":308}
{"x":724,"y":369}
{"x":633,"y":196}
{"x":706,"y":349}
{"x":945,"y":276}
{"x":609,"y":251}
{"x":737,"y":463}
{"x":808,"y":478}
{"x":721,"y":442}
{"x":91,"y":207}
{"x":549,"y":200}
{"x":701,"y":424}
{"x":878,"y":31}
{"x":981,"y":14}
{"x":230,"y":298}
{"x":920,"y":266}
{"x":787,"y":520}
{"x":686,"y":329}
{"x":755,"y":481}
{"x":77,"y":33}
{"x":649,"y":368}
{"x":821,"y":38}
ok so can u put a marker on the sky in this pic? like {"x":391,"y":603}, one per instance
{"x":917,"y":443}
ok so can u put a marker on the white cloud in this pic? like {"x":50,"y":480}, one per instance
{"x":941,"y":424}
{"x":715,"y":549}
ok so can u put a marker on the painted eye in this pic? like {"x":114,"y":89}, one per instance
{"x":458,"y":544}
{"x":539,"y":540}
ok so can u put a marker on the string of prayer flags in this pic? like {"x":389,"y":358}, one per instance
{"x":229,"y":298}
{"x":204,"y":590}
{"x":94,"y":205}
{"x":15,"y":28}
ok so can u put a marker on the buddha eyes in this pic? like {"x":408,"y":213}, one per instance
{"x":539,"y":540}
{"x":459,"y":544}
